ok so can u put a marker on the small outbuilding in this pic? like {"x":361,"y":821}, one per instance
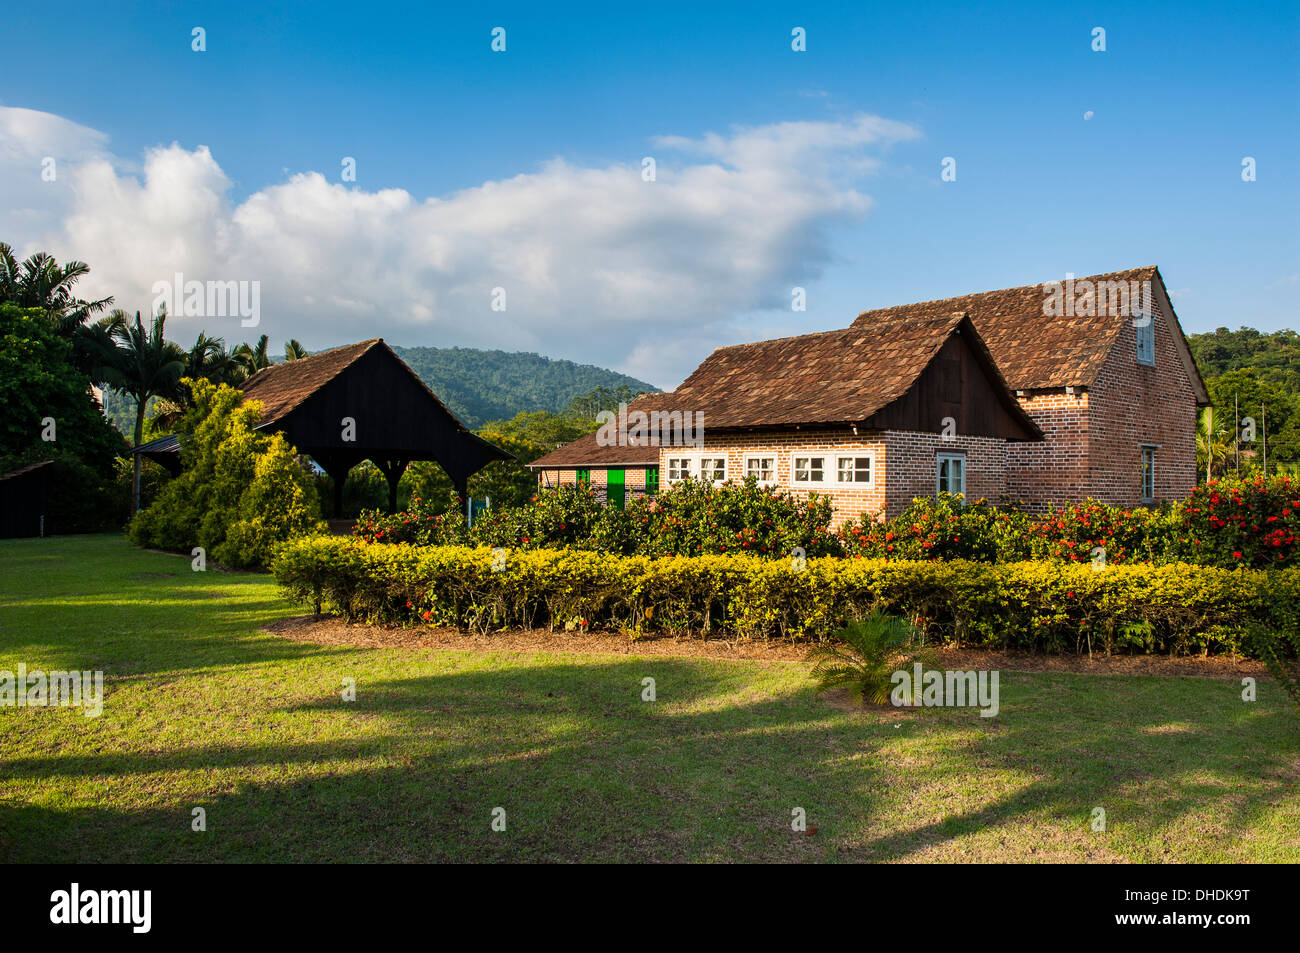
{"x":23,"y":501}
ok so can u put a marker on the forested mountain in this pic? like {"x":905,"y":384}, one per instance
{"x":479,"y":386}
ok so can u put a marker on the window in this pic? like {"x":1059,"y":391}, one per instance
{"x":809,"y":469}
{"x":679,"y":468}
{"x":1145,"y":326}
{"x":763,"y":469}
{"x":950,"y":476}
{"x":1148,"y":474}
{"x":713,"y":468}
{"x":853,"y":470}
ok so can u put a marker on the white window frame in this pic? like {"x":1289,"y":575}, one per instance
{"x":775,"y":460}
{"x":691,"y":468}
{"x":810,"y":456}
{"x":855,"y":455}
{"x":720,"y":457}
{"x":696,"y":462}
{"x":938,"y":459}
{"x":1146,"y":474}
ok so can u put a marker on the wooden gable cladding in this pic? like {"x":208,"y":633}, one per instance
{"x":963,"y":384}
{"x":393,"y":414}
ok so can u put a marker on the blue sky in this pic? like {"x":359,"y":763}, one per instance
{"x":1182,"y":93}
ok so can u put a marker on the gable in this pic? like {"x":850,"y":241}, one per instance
{"x":962,"y":385}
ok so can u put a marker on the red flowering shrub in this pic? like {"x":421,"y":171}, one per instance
{"x":565,"y":516}
{"x":942,"y":528}
{"x":1092,"y":532}
{"x":1252,"y":522}
{"x":420,"y":523}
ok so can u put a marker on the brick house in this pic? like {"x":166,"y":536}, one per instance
{"x":1041,"y":394}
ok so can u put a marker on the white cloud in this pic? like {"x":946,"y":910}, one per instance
{"x":598,"y":265}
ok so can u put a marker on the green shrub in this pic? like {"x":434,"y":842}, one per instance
{"x":240,"y":492}
{"x":863,"y":655}
{"x":278,"y":504}
{"x":1032,"y":605}
{"x":1280,"y":652}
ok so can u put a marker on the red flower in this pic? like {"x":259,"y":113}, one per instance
{"x":1236,"y":555}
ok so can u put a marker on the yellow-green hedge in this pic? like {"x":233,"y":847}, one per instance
{"x":1169,"y":608}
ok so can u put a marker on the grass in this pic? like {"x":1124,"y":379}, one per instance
{"x":204,"y":710}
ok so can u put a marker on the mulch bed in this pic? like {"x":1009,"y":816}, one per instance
{"x":329,"y":630}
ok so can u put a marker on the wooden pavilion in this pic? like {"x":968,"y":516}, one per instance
{"x":354,"y":403}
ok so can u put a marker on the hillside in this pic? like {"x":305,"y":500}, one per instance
{"x":480,"y":386}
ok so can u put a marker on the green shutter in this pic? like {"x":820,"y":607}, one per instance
{"x":616,"y":487}
{"x":583,"y":476}
{"x":651,"y":480}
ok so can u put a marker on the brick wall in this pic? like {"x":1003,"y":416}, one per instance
{"x":1054,"y":469}
{"x":912,"y":463}
{"x":1133,"y":404}
{"x":904,"y":463}
{"x":1094,"y":437}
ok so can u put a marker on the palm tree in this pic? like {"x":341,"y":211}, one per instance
{"x":293,"y":351}
{"x":40,"y":282}
{"x":865,"y":654}
{"x":1212,"y":445}
{"x":207,"y":360}
{"x":253,"y":359}
{"x":146,"y":365}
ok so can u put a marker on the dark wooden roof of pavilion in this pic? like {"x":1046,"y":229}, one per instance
{"x":394,"y":413}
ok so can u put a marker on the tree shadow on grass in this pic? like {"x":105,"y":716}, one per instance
{"x":586,"y":770}
{"x":583,"y":768}
{"x":1155,"y":754}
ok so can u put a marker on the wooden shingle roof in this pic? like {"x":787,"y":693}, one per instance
{"x":282,"y":387}
{"x":825,"y":378}
{"x":587,"y":452}
{"x":1032,"y":349}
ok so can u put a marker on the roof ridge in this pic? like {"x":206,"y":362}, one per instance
{"x":996,"y":291}
{"x":299,"y":363}
{"x":813,"y":334}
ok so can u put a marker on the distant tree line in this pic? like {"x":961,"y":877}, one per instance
{"x":1253,"y":378}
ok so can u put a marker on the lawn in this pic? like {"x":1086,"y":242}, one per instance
{"x":203,"y":709}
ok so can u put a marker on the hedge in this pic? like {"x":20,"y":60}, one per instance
{"x":1035,"y":605}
